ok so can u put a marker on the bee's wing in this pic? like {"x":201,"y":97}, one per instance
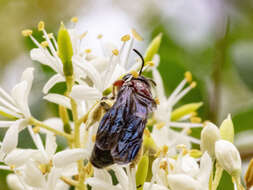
{"x":130,"y":140}
{"x":113,"y":121}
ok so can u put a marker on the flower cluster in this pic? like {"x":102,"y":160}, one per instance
{"x":167,"y":161}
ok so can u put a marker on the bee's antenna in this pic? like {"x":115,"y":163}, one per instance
{"x":142,"y":65}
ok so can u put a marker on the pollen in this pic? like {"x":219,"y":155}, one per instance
{"x":43,"y":168}
{"x":188,"y":76}
{"x":184,"y":151}
{"x":195,"y":153}
{"x":165,"y":149}
{"x":193,"y":84}
{"x":87,"y":51}
{"x":164,"y":166}
{"x":93,"y":138}
{"x":50,"y":35}
{"x":44,"y":44}
{"x":181,"y":146}
{"x":189,"y":131}
{"x":193,"y":114}
{"x":125,"y":38}
{"x":83,"y":34}
{"x":150,"y":63}
{"x":36,"y":130}
{"x":146,"y":132}
{"x":171,"y":166}
{"x":160,"y":125}
{"x":134,"y":74}
{"x":136,"y":35}
{"x":195,"y":119}
{"x":157,"y":101}
{"x":27,"y":32}
{"x":74,"y":19}
{"x":41,"y":25}
{"x":100,"y":36}
{"x":115,"y":52}
{"x":12,"y":167}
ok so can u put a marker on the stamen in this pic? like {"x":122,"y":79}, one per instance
{"x":195,"y":119}
{"x":12,"y":167}
{"x":41,"y":25}
{"x":157,"y":101}
{"x":189,"y":131}
{"x":50,"y":35}
{"x":44,"y":44}
{"x":181,"y":94}
{"x":36,"y":130}
{"x":99,"y":36}
{"x":193,"y":84}
{"x":93,"y":138}
{"x":160,"y":125}
{"x":125,"y":38}
{"x":177,"y":90}
{"x":188,"y":76}
{"x":134,"y":74}
{"x":164,"y":166}
{"x":83,"y":34}
{"x":87,"y":51}
{"x":165,"y":149}
{"x":74,"y":19}
{"x":181,"y":146}
{"x":150,"y":63}
{"x":27,"y":32}
{"x":115,"y":52}
{"x":185,"y":124}
{"x":136,"y":35}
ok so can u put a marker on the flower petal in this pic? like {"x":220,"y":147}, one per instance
{"x":6,"y":123}
{"x":58,"y":99}
{"x":84,"y":92}
{"x":18,"y":157}
{"x":27,"y":76}
{"x":91,"y":72}
{"x":159,"y":85}
{"x":182,"y":181}
{"x":33,"y":175}
{"x":14,"y":182}
{"x":206,"y":166}
{"x":66,"y":157}
{"x":9,"y":113}
{"x":98,"y":184}
{"x":19,"y":93}
{"x":52,"y":81}
{"x":45,"y":59}
{"x":10,"y":140}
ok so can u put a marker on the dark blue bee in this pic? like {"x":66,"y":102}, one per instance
{"x":119,"y":135}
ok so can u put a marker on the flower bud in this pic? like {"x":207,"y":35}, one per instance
{"x":209,"y":135}
{"x":228,"y":157}
{"x":142,"y":172}
{"x":153,"y":48}
{"x":65,"y":50}
{"x":182,"y":181}
{"x":227,"y":129}
{"x":249,"y":175}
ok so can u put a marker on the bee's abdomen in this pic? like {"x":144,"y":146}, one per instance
{"x":101,"y":158}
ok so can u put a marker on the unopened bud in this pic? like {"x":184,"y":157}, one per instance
{"x":209,"y":135}
{"x":153,"y":48}
{"x":228,"y":157}
{"x":142,"y":172}
{"x":65,"y":50}
{"x":227,"y":129}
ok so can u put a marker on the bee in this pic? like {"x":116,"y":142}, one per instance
{"x":119,"y":135}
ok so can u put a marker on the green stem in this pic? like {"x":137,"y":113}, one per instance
{"x":217,"y":177}
{"x":36,"y":122}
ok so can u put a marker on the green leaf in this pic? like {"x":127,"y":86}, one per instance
{"x":153,"y":48}
{"x":65,"y":50}
{"x":142,"y":172}
{"x":227,"y":129}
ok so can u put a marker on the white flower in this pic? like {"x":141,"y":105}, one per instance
{"x":228,"y":157}
{"x":15,"y":106}
{"x":162,"y":133}
{"x":183,"y":173}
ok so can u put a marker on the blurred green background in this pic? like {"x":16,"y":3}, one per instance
{"x":211,"y":38}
